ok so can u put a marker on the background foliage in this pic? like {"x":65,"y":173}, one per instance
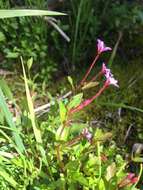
{"x":33,"y":153}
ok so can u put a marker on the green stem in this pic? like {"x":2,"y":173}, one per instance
{"x":99,"y":158}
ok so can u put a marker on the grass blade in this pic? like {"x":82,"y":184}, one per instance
{"x":31,"y":108}
{"x":6,"y":90}
{"x":9,"y":119}
{"x":120,"y":105}
{"x":115,"y":49}
{"x":27,"y":12}
{"x":8,"y":178}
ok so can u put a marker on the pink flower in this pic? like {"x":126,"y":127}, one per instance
{"x":130,"y":176}
{"x":105,"y":71}
{"x":128,"y":180}
{"x":109,"y":76}
{"x":87,"y":134}
{"x":134,"y":180}
{"x":111,"y":81}
{"x":101,"y":47}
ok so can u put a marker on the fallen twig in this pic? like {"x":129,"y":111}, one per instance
{"x":46,"y":107}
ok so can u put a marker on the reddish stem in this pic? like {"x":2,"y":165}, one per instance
{"x":89,"y":101}
{"x":89,"y":70}
{"x":95,"y":77}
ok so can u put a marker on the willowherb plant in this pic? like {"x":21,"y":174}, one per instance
{"x":104,"y":71}
{"x":112,"y":179}
{"x":62,"y":153}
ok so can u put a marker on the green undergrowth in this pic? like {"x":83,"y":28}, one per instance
{"x":46,"y":158}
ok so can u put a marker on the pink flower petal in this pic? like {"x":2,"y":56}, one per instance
{"x":109,"y":76}
{"x":101,"y":46}
{"x":112,"y":81}
{"x":87,"y":134}
{"x":130,"y":176}
{"x":107,"y":49}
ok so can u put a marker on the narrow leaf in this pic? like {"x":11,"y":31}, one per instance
{"x":10,"y":122}
{"x":31,"y":108}
{"x":26,"y":12}
{"x":63,"y":111}
{"x":30,"y":63}
{"x":8,"y":178}
{"x":90,"y":85}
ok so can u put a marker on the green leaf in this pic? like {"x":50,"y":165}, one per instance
{"x":9,"y":119}
{"x":30,"y":63}
{"x":77,"y":176}
{"x":62,"y":133}
{"x":8,"y":178}
{"x":71,"y":82}
{"x":31,"y":108}
{"x":76,"y":100}
{"x":37,"y":132}
{"x":101,"y":185}
{"x":1,"y":117}
{"x":12,"y":55}
{"x":111,"y":171}
{"x":77,"y":127}
{"x":6,"y":90}
{"x":73,"y":165}
{"x":2,"y":37}
{"x":26,"y":12}
{"x":90,"y":85}
{"x":63,"y":111}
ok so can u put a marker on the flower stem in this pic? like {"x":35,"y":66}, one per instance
{"x":95,"y":77}
{"x":89,"y":101}
{"x":89,"y":70}
{"x":99,"y":158}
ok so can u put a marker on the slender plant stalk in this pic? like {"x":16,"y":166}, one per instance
{"x":84,"y":104}
{"x":89,"y":70}
{"x":95,"y":77}
{"x":99,"y":158}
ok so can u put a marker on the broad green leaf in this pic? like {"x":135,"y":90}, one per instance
{"x":26,"y":12}
{"x":110,"y":171}
{"x":63,"y":111}
{"x":76,"y":100}
{"x":12,"y":55}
